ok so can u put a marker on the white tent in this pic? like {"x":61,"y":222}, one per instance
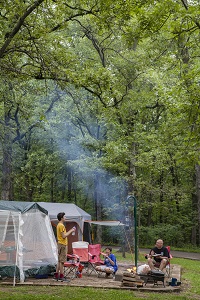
{"x":27,"y":240}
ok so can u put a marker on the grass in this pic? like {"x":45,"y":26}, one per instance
{"x":190,"y":287}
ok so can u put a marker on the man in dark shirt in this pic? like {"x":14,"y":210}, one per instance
{"x":158,"y":256}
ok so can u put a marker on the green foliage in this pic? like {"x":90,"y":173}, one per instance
{"x":171,"y":234}
{"x":100,"y":99}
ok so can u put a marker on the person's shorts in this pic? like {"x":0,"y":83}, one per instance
{"x":104,"y":268}
{"x":62,"y":253}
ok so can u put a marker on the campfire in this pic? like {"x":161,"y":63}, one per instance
{"x":131,"y":278}
{"x":133,"y":270}
{"x":137,"y":277}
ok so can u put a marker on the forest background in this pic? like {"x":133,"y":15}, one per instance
{"x":100,"y":100}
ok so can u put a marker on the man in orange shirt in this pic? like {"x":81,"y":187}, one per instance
{"x":62,"y":235}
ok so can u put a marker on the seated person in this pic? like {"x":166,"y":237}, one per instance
{"x":110,"y":263}
{"x":158,"y":256}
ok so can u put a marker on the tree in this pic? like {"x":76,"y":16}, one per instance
{"x":123,"y":73}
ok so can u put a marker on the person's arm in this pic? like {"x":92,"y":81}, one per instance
{"x":112,"y":262}
{"x":165,"y":254}
{"x":151,"y":253}
{"x":111,"y":259}
{"x":66,"y":234}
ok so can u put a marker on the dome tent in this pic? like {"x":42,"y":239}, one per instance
{"x":27,"y":240}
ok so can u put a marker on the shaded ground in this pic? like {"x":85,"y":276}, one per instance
{"x":102,"y":282}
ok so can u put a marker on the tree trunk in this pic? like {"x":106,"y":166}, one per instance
{"x":69,"y":184}
{"x":130,"y":209}
{"x":197,"y":168}
{"x":149,"y":210}
{"x":64,"y":184}
{"x":7,"y":185}
{"x":98,"y":205}
{"x":161,"y":184}
{"x":29,"y":188}
{"x":28,"y":179}
{"x":132,"y":172}
{"x":52,"y":189}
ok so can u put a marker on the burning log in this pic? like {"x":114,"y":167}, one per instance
{"x":131,"y":279}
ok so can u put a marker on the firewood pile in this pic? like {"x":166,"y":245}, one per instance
{"x":131,"y":279}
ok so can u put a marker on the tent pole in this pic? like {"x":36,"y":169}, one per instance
{"x":14,"y":279}
{"x":17,"y":249}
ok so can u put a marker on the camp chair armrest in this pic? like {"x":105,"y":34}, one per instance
{"x":73,"y":257}
{"x":92,"y":255}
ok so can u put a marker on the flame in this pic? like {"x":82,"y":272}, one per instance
{"x":133,"y":270}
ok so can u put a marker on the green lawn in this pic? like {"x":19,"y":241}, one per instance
{"x":190,"y":288}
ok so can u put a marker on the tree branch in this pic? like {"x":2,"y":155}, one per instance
{"x":185,"y":4}
{"x":81,"y":12}
{"x":18,"y":26}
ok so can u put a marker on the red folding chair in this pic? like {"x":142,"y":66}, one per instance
{"x":168,"y":266}
{"x":94,"y":258}
{"x":157,"y":264}
{"x":71,"y":266}
{"x":78,"y":260}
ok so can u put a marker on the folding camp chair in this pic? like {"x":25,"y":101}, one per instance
{"x":168,"y":269}
{"x":78,"y":260}
{"x":94,"y":258}
{"x":71,"y":266}
{"x":80,"y":249}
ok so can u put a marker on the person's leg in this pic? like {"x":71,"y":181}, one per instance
{"x":63,"y":258}
{"x":101,"y":268}
{"x":163,"y":264}
{"x":56,"y":274}
{"x":61,"y":268}
{"x":150,"y":263}
{"x":109,"y":270}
